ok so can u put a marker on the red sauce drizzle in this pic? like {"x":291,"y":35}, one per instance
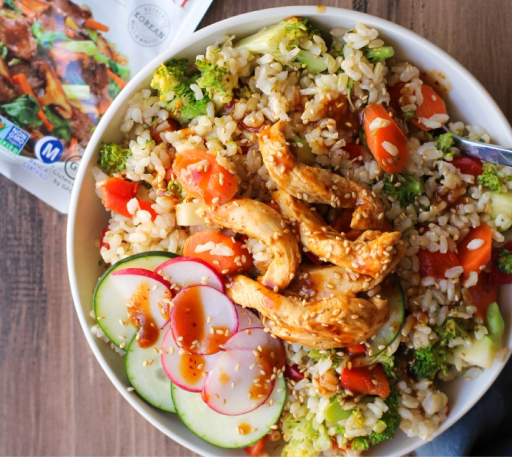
{"x":139,"y":311}
{"x":189,"y":368}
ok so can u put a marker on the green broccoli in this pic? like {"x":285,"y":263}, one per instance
{"x":504,"y":261}
{"x":430,"y":360}
{"x":173,"y":87}
{"x":492,"y":178}
{"x":360,"y":443}
{"x":218,"y":82}
{"x":113,"y":157}
{"x":379,"y":54}
{"x":284,"y":37}
{"x":403,"y":188}
{"x":305,"y":437}
{"x":391,"y":419}
{"x":445,"y":142}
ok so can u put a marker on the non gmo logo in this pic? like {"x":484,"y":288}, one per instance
{"x":49,"y":149}
{"x":149,"y":25}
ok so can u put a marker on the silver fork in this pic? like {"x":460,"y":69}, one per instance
{"x":482,"y":151}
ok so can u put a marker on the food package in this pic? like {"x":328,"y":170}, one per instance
{"x":61,"y":65}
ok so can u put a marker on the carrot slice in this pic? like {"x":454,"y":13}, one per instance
{"x":92,"y":24}
{"x":203,"y":177}
{"x":21,"y":80}
{"x":200,"y":245}
{"x":120,"y":82}
{"x":386,"y":141}
{"x":474,"y":251}
{"x":432,"y":104}
{"x":116,"y":193}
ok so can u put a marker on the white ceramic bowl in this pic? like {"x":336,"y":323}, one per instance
{"x":87,"y":216}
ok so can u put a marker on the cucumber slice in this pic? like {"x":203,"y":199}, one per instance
{"x":228,"y":431}
{"x":149,"y":381}
{"x":110,"y":307}
{"x":393,"y":292}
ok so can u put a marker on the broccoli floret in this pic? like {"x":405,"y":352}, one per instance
{"x":404,"y":188}
{"x":360,"y":443}
{"x":430,"y":360}
{"x":305,"y":437}
{"x":445,"y":142}
{"x":174,"y":187}
{"x":281,"y":41}
{"x":379,"y":54}
{"x":391,"y":418}
{"x":492,"y":178}
{"x":504,"y":261}
{"x":173,"y":86}
{"x":218,"y":82}
{"x":336,"y":49}
{"x":113,"y":157}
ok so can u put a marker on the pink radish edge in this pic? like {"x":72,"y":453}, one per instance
{"x":215,"y":280}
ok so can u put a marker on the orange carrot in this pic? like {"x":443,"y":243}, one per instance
{"x":92,"y":24}
{"x":203,"y":177}
{"x":21,"y":80}
{"x":432,"y":104}
{"x":25,"y":10}
{"x":385,"y":138}
{"x":117,"y":79}
{"x":239,"y":260}
{"x":474,"y":251}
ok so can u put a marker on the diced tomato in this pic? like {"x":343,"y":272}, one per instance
{"x":366,"y":380}
{"x":471,"y":258}
{"x":355,"y":151}
{"x":169,"y":125}
{"x":394,"y":97}
{"x":116,"y":193}
{"x":292,"y":372}
{"x":239,"y":261}
{"x":497,"y":276}
{"x":381,"y":140}
{"x":483,"y":293}
{"x":203,"y":177}
{"x":468,"y":165}
{"x":357,"y":349}
{"x":258,"y":448}
{"x":103,"y":243}
{"x":432,"y":104}
{"x":435,"y":264}
{"x":147,"y":207}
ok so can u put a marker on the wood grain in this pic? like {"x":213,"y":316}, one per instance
{"x":54,"y":398}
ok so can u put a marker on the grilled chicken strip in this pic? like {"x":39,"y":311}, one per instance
{"x":368,"y":255}
{"x":318,"y":281}
{"x":332,"y":322}
{"x":260,"y":221}
{"x":317,"y":185}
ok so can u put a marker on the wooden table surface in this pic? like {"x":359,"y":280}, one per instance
{"x":54,"y":398}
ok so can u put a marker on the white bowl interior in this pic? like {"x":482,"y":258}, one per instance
{"x":87,"y":216}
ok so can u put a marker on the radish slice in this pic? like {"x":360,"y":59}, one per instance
{"x":148,"y":297}
{"x":187,"y":271}
{"x":240,"y":382}
{"x":186,"y":370}
{"x":202,"y":319}
{"x":247,"y":319}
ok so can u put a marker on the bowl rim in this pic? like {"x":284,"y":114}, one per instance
{"x":220,"y":28}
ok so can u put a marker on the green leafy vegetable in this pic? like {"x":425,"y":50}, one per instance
{"x":10,"y":4}
{"x":305,"y":437}
{"x":379,"y":54}
{"x":23,"y":111}
{"x":492,"y":178}
{"x":46,"y":38}
{"x":281,"y":41}
{"x":119,"y":70}
{"x":173,"y":86}
{"x":113,"y":157}
{"x":404,"y":188}
{"x":113,"y":89}
{"x":445,"y":142}
{"x":504,"y":261}
{"x":391,"y":418}
{"x":218,"y":82}
{"x":3,"y":51}
{"x":62,"y":127}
